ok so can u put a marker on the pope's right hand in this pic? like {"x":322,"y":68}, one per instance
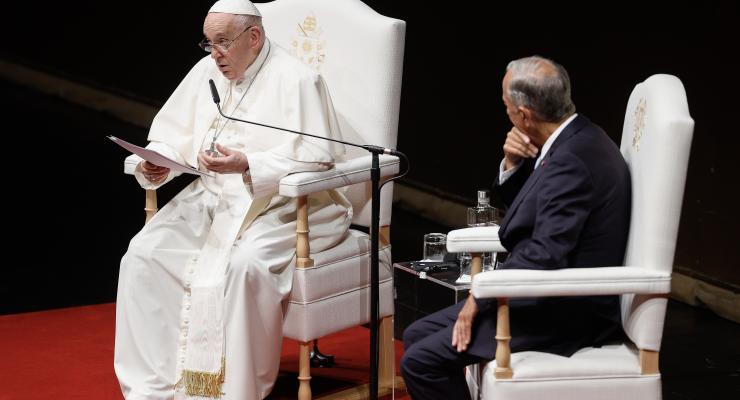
{"x":153,"y":173}
{"x":517,"y":146}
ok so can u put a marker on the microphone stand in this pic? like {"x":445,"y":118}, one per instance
{"x":374,"y":232}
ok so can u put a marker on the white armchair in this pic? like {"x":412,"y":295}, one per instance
{"x":360,"y":55}
{"x":656,"y":140}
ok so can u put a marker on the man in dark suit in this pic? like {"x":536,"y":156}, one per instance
{"x":567,"y":188}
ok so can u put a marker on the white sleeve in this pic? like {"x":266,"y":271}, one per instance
{"x":164,"y":150}
{"x":267,"y":168}
{"x":504,"y":175}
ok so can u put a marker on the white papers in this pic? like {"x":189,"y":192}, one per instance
{"x":156,"y":158}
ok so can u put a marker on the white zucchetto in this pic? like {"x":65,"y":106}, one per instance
{"x":241,"y":7}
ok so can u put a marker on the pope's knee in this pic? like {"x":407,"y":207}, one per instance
{"x":140,"y":246}
{"x":242,"y":257}
{"x":238,"y":271}
{"x":135,"y":263}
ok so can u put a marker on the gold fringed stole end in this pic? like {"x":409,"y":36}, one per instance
{"x":205,"y":384}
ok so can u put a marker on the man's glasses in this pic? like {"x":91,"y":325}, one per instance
{"x":223,"y":45}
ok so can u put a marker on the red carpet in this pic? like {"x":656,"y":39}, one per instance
{"x":67,"y":354}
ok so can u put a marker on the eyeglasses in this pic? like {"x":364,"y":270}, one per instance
{"x":223,"y":45}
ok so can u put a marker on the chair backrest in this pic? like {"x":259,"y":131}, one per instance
{"x":360,"y":55}
{"x":656,"y":141}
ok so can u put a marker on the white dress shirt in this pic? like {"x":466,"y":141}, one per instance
{"x":503,"y":175}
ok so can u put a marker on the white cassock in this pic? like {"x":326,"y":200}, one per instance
{"x":202,"y":287}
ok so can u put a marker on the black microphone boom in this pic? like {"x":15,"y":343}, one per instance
{"x":371,"y":148}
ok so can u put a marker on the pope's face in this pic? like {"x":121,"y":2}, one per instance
{"x":234,"y":48}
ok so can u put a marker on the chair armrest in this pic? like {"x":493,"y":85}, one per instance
{"x":342,"y":174}
{"x":570,"y":282}
{"x":474,"y":240}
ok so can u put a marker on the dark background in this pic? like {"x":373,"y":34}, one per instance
{"x":70,"y":211}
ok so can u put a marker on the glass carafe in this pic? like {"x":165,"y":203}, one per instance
{"x":482,"y":214}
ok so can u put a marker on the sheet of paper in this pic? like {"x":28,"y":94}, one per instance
{"x":156,"y":158}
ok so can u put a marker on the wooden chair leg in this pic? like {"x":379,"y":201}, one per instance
{"x":303,"y":251}
{"x":150,"y":206}
{"x":387,"y":379}
{"x":476,"y":263}
{"x":303,"y":260}
{"x":649,"y":362}
{"x":304,"y":371}
{"x":503,"y":336}
{"x":386,"y":366}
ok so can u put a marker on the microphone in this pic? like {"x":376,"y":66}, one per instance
{"x":370,"y":148}
{"x":214,"y":92}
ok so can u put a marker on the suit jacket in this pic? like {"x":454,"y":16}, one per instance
{"x":572,"y":211}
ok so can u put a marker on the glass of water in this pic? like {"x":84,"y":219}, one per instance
{"x":435,"y":246}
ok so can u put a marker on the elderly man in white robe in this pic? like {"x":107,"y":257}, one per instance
{"x":203,"y":286}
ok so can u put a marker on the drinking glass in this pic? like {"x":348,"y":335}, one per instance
{"x":435,"y":246}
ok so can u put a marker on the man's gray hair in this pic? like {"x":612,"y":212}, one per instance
{"x":244,"y":21}
{"x":541,"y":85}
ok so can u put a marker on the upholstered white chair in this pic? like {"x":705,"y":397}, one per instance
{"x":656,"y":140}
{"x":360,"y":55}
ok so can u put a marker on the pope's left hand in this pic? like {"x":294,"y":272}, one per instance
{"x":229,"y":162}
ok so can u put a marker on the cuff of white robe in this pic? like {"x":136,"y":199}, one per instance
{"x":132,"y":161}
{"x":260,"y":178}
{"x":504,"y":175}
{"x":145,"y":184}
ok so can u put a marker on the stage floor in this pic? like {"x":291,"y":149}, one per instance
{"x":67,"y":353}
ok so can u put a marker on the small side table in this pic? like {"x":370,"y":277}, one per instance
{"x":416,"y":295}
